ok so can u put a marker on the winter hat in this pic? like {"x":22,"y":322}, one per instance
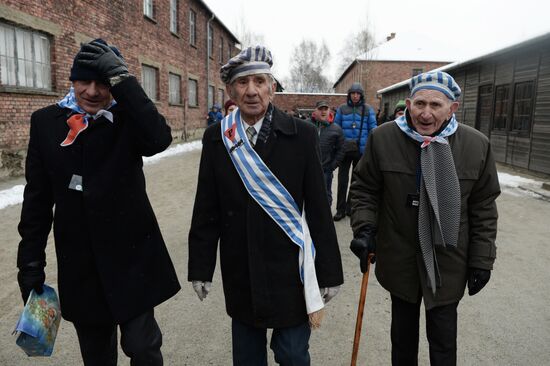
{"x":322,"y":103}
{"x":79,"y":72}
{"x":356,"y":88}
{"x":400,"y":106}
{"x":250,"y":61}
{"x":228,"y":103}
{"x":436,"y":80}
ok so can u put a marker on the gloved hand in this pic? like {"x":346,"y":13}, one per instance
{"x":327,"y":293}
{"x":31,"y":277}
{"x":477,"y":280}
{"x":98,"y":56}
{"x":364,"y":244}
{"x":202,"y":288}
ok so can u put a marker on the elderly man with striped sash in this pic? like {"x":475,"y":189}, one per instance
{"x":423,"y":199}
{"x":261,"y":194}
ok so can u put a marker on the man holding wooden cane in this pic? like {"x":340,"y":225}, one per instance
{"x":423,"y":199}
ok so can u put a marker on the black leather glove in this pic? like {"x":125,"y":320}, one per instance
{"x":98,"y":56}
{"x":477,"y":279}
{"x":31,"y":277}
{"x":364,"y":244}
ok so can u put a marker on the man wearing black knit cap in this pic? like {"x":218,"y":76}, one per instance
{"x":85,"y":158}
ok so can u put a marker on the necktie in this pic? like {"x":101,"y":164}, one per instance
{"x":250,"y":133}
{"x":77,"y":123}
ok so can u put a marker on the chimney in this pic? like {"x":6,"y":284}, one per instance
{"x":390,"y":37}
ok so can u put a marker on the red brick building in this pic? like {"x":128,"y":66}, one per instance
{"x":170,"y":45}
{"x":396,"y":59}
{"x":305,"y":102}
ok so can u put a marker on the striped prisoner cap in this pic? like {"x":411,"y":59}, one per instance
{"x":251,"y":60}
{"x":436,"y":80}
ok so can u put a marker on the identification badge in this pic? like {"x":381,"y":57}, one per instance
{"x":76,"y":183}
{"x":413,"y":200}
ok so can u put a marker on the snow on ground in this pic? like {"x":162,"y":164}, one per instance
{"x":511,"y":184}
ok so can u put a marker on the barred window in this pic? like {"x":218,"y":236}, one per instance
{"x":24,"y":58}
{"x":523,"y":105}
{"x":149,"y":81}
{"x":500,"y":111}
{"x":210,"y":40}
{"x":192,"y":27}
{"x":221,"y":97}
{"x":210,"y":96}
{"x":220,"y":59}
{"x":192,"y":92}
{"x":148,"y":8}
{"x":174,"y":16}
{"x":174,"y":86}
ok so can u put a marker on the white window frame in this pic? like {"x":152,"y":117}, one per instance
{"x":210,"y":40}
{"x":149,"y":76}
{"x":210,"y":99}
{"x":25,"y":60}
{"x":174,"y":16}
{"x":192,"y":92}
{"x":174,"y":88}
{"x":192,"y":27}
{"x":148,"y":8}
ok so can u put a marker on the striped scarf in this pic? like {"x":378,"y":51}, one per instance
{"x":276,"y":201}
{"x":439,"y":206}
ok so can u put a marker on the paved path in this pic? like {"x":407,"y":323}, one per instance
{"x":508,"y":323}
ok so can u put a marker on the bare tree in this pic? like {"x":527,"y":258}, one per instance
{"x":247,"y":36}
{"x":307,"y":64}
{"x":357,"y":44}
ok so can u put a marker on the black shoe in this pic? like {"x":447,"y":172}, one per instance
{"x":339,"y":216}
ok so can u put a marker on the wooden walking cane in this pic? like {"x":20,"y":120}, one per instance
{"x":360,"y":309}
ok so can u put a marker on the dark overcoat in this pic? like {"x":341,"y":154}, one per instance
{"x":259,"y":263}
{"x":112,"y":261}
{"x":383,"y":179}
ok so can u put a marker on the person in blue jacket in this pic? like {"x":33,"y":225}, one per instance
{"x":215,"y":115}
{"x":357,"y":119}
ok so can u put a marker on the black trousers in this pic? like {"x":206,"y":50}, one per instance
{"x":342,"y":199}
{"x":441,"y":330}
{"x":140,"y":340}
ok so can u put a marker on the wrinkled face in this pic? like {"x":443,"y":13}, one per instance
{"x":355,"y":97}
{"x":321,"y":113}
{"x":252,"y":94}
{"x":92,"y":95}
{"x":429,"y":109}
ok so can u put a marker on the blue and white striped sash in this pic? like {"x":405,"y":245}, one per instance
{"x":276,"y":201}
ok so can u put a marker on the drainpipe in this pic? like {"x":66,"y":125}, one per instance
{"x":208,"y":59}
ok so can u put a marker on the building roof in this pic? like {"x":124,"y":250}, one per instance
{"x":461,"y":63}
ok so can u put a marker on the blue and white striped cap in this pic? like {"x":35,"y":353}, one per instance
{"x":251,"y":61}
{"x":436,"y":80}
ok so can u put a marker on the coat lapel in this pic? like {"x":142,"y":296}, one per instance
{"x":282,"y":123}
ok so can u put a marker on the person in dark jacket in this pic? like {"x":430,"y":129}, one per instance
{"x":215,"y":115}
{"x":331,"y":143}
{"x":423,"y":200}
{"x":266,"y":285}
{"x":85,"y":158}
{"x":356,"y":119}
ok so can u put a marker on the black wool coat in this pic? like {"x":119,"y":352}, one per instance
{"x":112,"y":261}
{"x":259,"y":263}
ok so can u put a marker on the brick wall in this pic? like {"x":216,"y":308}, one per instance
{"x":293,"y":101}
{"x":141,"y":40}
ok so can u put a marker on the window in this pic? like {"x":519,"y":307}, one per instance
{"x":174,"y":89}
{"x":192,"y":27}
{"x":174,"y":16}
{"x":485,"y":102}
{"x":523,"y":103}
{"x":24,"y":58}
{"x":228,"y":50}
{"x":417,"y":72}
{"x":500,"y":112}
{"x":192,"y":92}
{"x":148,"y":8}
{"x":221,"y":96}
{"x":221,"y":51}
{"x":210,"y":96}
{"x":210,"y":40}
{"x":149,"y":81}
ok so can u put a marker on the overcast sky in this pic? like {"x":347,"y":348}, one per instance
{"x":474,"y":26}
